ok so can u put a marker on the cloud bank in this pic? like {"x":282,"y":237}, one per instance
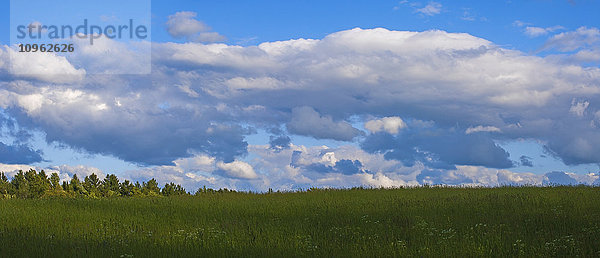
{"x":431,"y":100}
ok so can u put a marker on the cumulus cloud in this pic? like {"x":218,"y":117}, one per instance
{"x":66,"y":172}
{"x":515,"y":179}
{"x":108,"y":56}
{"x":204,"y":99}
{"x":182,"y":24}
{"x":44,"y":67}
{"x":11,"y":169}
{"x":301,"y":167}
{"x":577,"y":108}
{"x":307,"y":121}
{"x":391,"y":125}
{"x":237,"y":169}
{"x":185,"y":25}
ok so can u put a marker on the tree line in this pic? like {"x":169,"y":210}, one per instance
{"x":31,"y":184}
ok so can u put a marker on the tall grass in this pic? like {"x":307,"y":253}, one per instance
{"x":527,"y":221}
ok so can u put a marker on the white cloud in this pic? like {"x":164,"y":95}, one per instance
{"x":431,"y":9}
{"x":208,"y":37}
{"x":198,"y":163}
{"x":11,"y":169}
{"x":506,"y":177}
{"x":578,"y":108}
{"x":108,"y":56}
{"x":66,"y":172}
{"x":391,"y":125}
{"x":533,"y":32}
{"x":46,"y":67}
{"x":185,"y":25}
{"x":573,"y":40}
{"x":238,"y":169}
{"x":204,"y":98}
{"x":587,"y":55}
{"x":520,"y":23}
{"x":481,"y":128}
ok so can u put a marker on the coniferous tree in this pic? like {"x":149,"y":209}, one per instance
{"x":42,"y":175}
{"x":126,"y":188}
{"x":168,"y":190}
{"x":172,"y":189}
{"x":151,"y":188}
{"x":137,"y":189}
{"x":77,"y":187}
{"x":55,"y":182}
{"x":38,"y":183}
{"x":5,"y":186}
{"x":110,"y":186}
{"x":91,"y":184}
{"x":67,"y":187}
{"x":32,"y":184}
{"x":55,"y":188}
{"x":20,"y":185}
{"x":179,"y":190}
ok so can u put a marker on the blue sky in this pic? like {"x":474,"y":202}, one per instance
{"x":283,"y":20}
{"x":459,"y":103}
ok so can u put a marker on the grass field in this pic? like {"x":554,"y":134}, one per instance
{"x":529,"y":221}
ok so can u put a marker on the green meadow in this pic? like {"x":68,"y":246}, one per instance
{"x":427,"y":221}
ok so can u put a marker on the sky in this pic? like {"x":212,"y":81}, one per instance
{"x":296,"y":94}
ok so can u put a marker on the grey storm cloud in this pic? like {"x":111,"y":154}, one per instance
{"x":307,"y":121}
{"x":439,"y":148}
{"x":279,"y":142}
{"x":344,"y":166}
{"x":526,"y":161}
{"x":558,"y":178}
{"x":19,"y":154}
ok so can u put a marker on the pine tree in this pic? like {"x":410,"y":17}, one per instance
{"x":126,"y":188}
{"x":20,"y":185}
{"x":137,"y":189}
{"x":110,"y":186}
{"x":168,"y":190}
{"x":67,"y":187}
{"x":172,"y":189}
{"x":38,"y":183}
{"x":55,"y":182}
{"x":91,"y":184}
{"x":151,"y":188}
{"x":78,"y":188}
{"x":4,"y":185}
